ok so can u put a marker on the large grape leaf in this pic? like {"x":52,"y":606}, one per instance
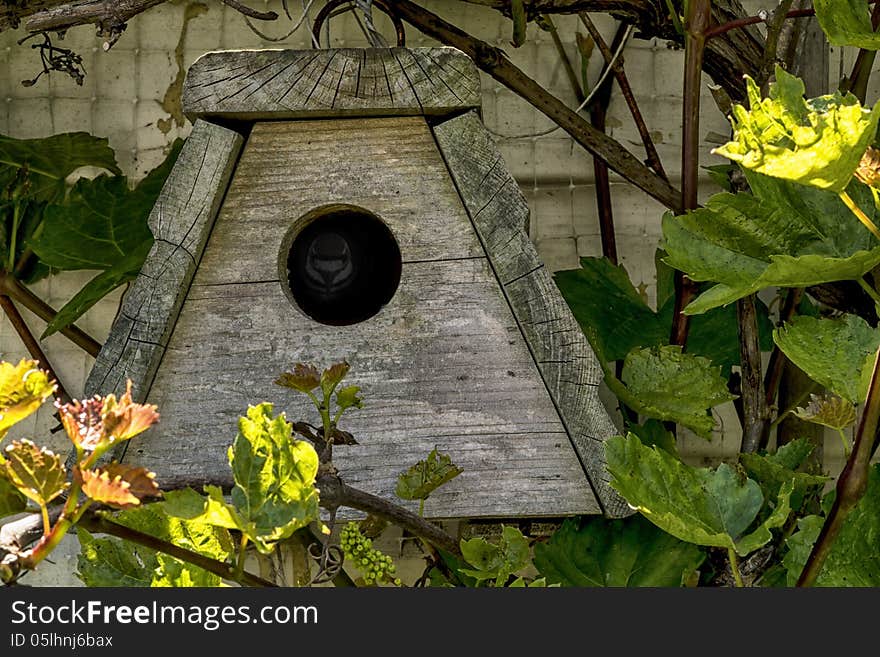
{"x":274,"y":476}
{"x":274,"y":493}
{"x":616,"y":319}
{"x":621,"y":553}
{"x":114,"y":562}
{"x":48,"y":161}
{"x":837,"y":353}
{"x":23,"y":389}
{"x":817,"y":142}
{"x":784,"y":235}
{"x":697,"y":505}
{"x":106,"y":562}
{"x":847,"y":23}
{"x":102,"y":226}
{"x":666,"y":384}
{"x":854,"y":559}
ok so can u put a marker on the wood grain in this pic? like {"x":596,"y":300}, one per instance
{"x":388,"y":166}
{"x":567,"y":363}
{"x":443,"y":365}
{"x":181,"y":221}
{"x":284,"y":84}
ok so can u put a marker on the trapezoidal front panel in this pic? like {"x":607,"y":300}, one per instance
{"x":442,"y":365}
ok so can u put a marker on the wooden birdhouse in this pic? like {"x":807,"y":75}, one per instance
{"x":350,"y":205}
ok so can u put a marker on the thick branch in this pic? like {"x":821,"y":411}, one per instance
{"x":106,"y":14}
{"x":493,"y":61}
{"x":334,"y":493}
{"x":755,"y":414}
{"x":852,"y":482}
{"x":727,"y":57}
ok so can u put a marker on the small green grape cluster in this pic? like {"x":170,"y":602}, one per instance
{"x":358,"y":549}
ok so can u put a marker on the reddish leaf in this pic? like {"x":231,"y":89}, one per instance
{"x":331,"y":377}
{"x":119,"y":485}
{"x":125,"y":419}
{"x":83,"y":422}
{"x":304,"y":378}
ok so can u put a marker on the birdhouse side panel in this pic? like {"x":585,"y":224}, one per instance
{"x":181,"y":221}
{"x":567,"y":363}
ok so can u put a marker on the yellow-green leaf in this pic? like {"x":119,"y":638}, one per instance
{"x":35,"y":471}
{"x":817,"y":142}
{"x":23,"y":389}
{"x":847,"y":23}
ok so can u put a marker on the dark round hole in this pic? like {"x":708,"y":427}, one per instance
{"x":343,"y":266}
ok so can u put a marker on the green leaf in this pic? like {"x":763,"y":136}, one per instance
{"x":422,"y":479}
{"x":50,"y":160}
{"x":836,"y":353}
{"x":666,"y":384}
{"x":816,"y":142}
{"x":847,"y":23}
{"x":698,"y":505}
{"x":274,"y":491}
{"x":605,"y":304}
{"x":786,"y":235}
{"x":772,"y":472}
{"x":854,"y":559}
{"x":195,"y":534}
{"x":518,"y":16}
{"x":103,"y":222}
{"x":616,"y":320}
{"x":348,"y":397}
{"x":35,"y":471}
{"x":621,"y":553}
{"x":652,"y":432}
{"x":23,"y":389}
{"x":109,"y":562}
{"x":496,"y":562}
{"x":171,"y":572}
{"x":99,"y":287}
{"x":829,"y":411}
{"x":11,"y":499}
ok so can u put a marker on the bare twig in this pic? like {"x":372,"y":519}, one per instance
{"x":777,"y":359}
{"x":251,"y":13}
{"x":493,"y":61}
{"x":695,"y":40}
{"x":15,"y":290}
{"x":774,"y":28}
{"x":627,"y":93}
{"x":32,"y":345}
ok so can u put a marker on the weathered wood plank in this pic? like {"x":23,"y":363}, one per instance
{"x":567,"y":363}
{"x":389,"y":166}
{"x":181,"y":221}
{"x":442,"y":365}
{"x":279,"y":84}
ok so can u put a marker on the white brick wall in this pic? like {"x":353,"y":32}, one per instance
{"x":122,"y":95}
